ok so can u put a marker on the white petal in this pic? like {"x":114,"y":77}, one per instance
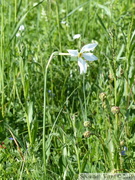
{"x":89,"y":47}
{"x":73,"y":52}
{"x":21,"y":28}
{"x":83,"y":65}
{"x":18,"y":34}
{"x":89,"y":57}
{"x":76,"y":36}
{"x":63,"y":22}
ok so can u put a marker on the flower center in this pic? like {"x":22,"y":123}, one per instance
{"x":80,"y":55}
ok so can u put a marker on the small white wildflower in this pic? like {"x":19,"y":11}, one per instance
{"x":63,"y":22}
{"x":34,"y":59}
{"x":18,"y":34}
{"x":21,"y":28}
{"x":76,"y":36}
{"x":82,"y":57}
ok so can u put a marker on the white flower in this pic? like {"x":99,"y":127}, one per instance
{"x":21,"y":28}
{"x":82,"y":57}
{"x":76,"y":36}
{"x":18,"y":34}
{"x":63,"y":22}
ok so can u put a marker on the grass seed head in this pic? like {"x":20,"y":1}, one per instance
{"x":86,"y":134}
{"x":102,"y":96}
{"x":86,"y":123}
{"x":115,"y":109}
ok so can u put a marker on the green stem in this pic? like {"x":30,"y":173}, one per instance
{"x":78,"y":159}
{"x":2,"y":57}
{"x":115,"y":90}
{"x":85,"y":104}
{"x":44,"y":109}
{"x":58,"y":26}
{"x":44,"y":113}
{"x":15,"y":10}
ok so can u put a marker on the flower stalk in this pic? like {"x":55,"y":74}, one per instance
{"x":44,"y":109}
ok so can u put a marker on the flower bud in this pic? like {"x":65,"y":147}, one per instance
{"x":122,"y":143}
{"x":86,"y":134}
{"x":86,"y":123}
{"x":115,"y":109}
{"x":102,"y":96}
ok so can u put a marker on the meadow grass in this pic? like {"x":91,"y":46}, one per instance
{"x":55,"y":122}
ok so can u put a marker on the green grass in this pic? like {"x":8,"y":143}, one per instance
{"x":43,"y":108}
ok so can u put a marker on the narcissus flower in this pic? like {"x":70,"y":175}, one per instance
{"x":82,"y":56}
